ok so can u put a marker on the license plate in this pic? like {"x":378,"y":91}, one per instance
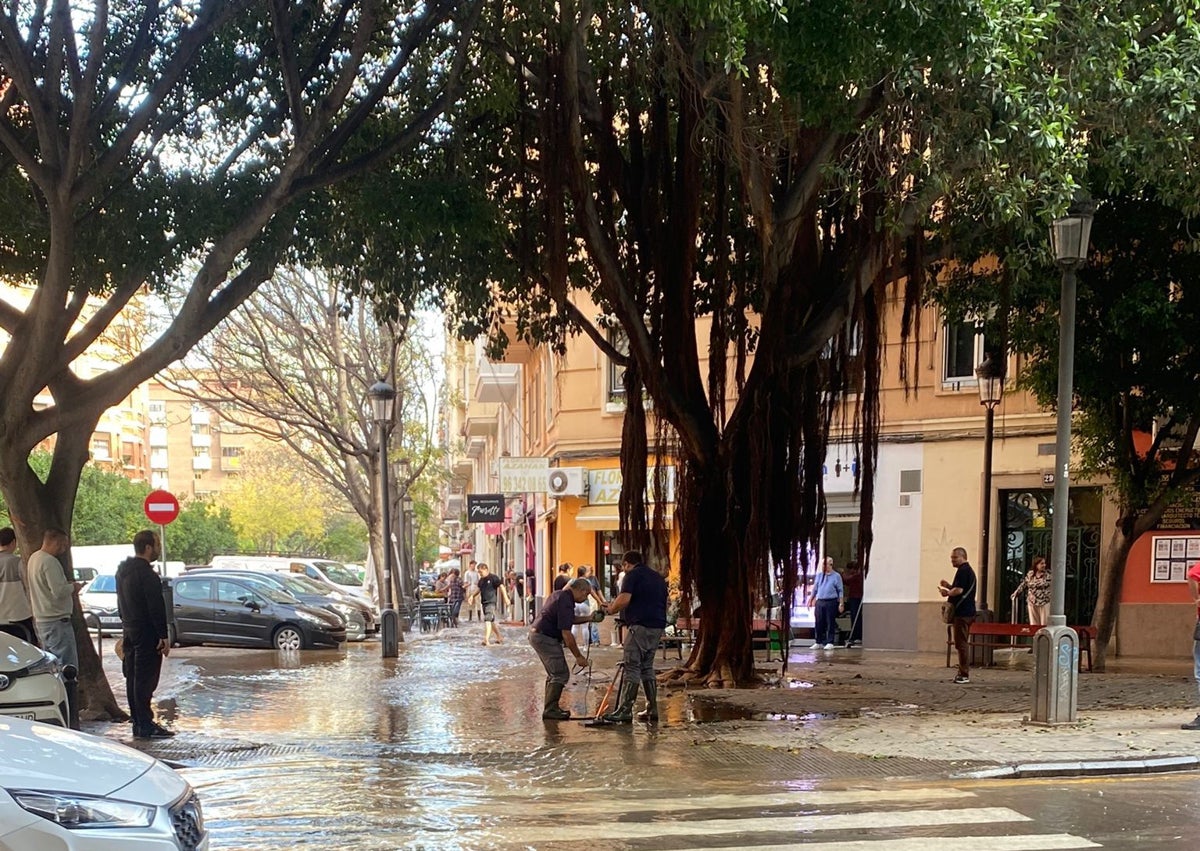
{"x":24,"y":716}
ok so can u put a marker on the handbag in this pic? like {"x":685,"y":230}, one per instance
{"x":948,"y":609}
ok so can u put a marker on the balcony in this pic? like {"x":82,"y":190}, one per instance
{"x":231,"y":463}
{"x":454,"y":505}
{"x":202,"y":462}
{"x":158,"y":436}
{"x":462,"y":471}
{"x":201,"y":440}
{"x":482,"y":420}
{"x":475,"y":446}
{"x":497,"y":382}
{"x":201,"y":416}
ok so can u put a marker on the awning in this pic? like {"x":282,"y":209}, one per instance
{"x":604,"y":518}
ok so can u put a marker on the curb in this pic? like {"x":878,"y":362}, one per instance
{"x":1090,"y":768}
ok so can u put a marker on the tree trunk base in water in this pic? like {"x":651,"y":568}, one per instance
{"x":721,"y":677}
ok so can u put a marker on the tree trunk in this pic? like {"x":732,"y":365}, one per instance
{"x":35,"y":506}
{"x":1105,"y":618}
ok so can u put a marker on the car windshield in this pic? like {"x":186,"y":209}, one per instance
{"x":104,"y":584}
{"x":338,"y":573}
{"x":264,"y":587}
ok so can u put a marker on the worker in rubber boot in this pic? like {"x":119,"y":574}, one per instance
{"x":643,"y":602}
{"x":550,"y":634}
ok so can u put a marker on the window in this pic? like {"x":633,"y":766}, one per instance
{"x":963,"y":351}
{"x":231,"y":592}
{"x":616,"y":372}
{"x":192,"y":589}
{"x":231,"y":451}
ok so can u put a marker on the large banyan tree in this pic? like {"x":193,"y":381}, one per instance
{"x":735,"y":186}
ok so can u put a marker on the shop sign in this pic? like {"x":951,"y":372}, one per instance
{"x":523,"y":475}
{"x":604,"y":486}
{"x":485,"y":507}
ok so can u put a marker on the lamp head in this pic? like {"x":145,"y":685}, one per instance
{"x":382,"y":397}
{"x":1070,"y":235}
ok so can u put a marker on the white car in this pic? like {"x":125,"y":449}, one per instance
{"x":74,"y":792}
{"x":99,"y":602}
{"x":31,"y":685}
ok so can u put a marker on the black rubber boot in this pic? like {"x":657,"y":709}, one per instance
{"x":623,"y":714}
{"x":1194,"y":724}
{"x":551,"y":711}
{"x":650,"y":713}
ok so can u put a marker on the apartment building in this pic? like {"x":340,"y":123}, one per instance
{"x":540,"y":414}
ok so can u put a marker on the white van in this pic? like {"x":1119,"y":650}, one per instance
{"x":322,"y":569}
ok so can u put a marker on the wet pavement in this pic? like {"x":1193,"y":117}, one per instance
{"x":444,"y":747}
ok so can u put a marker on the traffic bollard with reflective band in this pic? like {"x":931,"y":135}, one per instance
{"x":70,"y":677}
{"x":389,"y":631}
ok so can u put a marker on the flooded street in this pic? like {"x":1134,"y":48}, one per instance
{"x":444,"y":748}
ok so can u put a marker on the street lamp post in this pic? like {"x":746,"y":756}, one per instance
{"x":990,"y":376}
{"x":1056,"y":647}
{"x":406,"y":512}
{"x":383,"y":399}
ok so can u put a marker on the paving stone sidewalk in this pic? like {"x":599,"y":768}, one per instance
{"x":903,"y":705}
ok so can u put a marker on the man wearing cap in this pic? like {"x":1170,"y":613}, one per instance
{"x":643,"y":599}
{"x":550,"y":634}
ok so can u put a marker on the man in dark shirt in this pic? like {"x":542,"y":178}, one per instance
{"x":643,"y":599}
{"x":961,"y":592}
{"x":144,"y":627}
{"x":489,"y":586}
{"x":550,"y":634}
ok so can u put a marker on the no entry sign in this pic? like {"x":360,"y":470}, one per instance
{"x":161,"y":507}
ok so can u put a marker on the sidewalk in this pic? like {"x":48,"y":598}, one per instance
{"x":891,"y":704}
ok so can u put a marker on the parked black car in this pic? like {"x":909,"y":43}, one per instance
{"x":248,"y":613}
{"x":307,"y":591}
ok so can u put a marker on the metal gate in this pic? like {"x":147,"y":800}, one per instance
{"x":1028,"y":526}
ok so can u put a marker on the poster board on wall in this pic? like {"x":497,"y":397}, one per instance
{"x":1172,"y":555}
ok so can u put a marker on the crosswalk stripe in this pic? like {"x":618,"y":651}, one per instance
{"x":704,"y":802}
{"x":1030,"y":842}
{"x":611,"y":831}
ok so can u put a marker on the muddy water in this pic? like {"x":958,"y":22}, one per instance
{"x":342,"y":749}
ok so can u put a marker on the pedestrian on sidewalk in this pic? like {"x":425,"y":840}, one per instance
{"x":564,"y":576}
{"x":643,"y":600}
{"x":455,"y":593}
{"x":828,"y":596}
{"x":1193,"y":580}
{"x":52,"y":597}
{"x":16,"y":615}
{"x":551,"y":636}
{"x":143,"y":633}
{"x":490,"y":586}
{"x":852,"y":580}
{"x":470,"y":578}
{"x":596,"y":601}
{"x":961,"y":592}
{"x":1036,"y":586}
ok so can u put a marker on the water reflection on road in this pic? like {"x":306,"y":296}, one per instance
{"x":341,"y":749}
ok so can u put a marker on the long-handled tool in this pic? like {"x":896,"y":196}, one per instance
{"x":614,"y":685}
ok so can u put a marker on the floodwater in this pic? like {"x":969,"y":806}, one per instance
{"x":344,"y":749}
{"x":444,"y":748}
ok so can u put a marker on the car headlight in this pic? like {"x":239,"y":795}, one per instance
{"x":76,"y":812}
{"x":48,"y":664}
{"x":310,"y":618}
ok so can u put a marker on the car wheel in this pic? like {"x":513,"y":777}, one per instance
{"x":288,"y":637}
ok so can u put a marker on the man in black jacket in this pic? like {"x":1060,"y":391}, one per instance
{"x":144,"y":625}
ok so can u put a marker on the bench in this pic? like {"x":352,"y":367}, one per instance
{"x":995,"y":635}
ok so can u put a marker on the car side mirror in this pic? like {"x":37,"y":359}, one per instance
{"x":252,"y":606}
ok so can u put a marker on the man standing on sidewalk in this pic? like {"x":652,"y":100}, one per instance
{"x":643,"y":599}
{"x":490,"y":585}
{"x":961,"y":592}
{"x":551,"y":635}
{"x":53,"y":597}
{"x":827,"y":598}
{"x":16,"y":615}
{"x":143,"y":632}
{"x":1193,"y":580}
{"x":471,"y":590}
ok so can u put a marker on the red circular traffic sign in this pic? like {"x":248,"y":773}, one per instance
{"x":161,"y":507}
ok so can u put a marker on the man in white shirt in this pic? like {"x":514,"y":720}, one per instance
{"x":53,"y":597}
{"x":16,"y":615}
{"x":471,"y":591}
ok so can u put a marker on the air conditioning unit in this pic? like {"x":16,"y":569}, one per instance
{"x":566,"y":481}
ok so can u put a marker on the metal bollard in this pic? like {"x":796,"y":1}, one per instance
{"x":70,"y":677}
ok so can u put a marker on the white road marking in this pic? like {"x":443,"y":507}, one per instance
{"x":1032,"y":842}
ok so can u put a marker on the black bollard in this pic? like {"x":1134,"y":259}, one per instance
{"x":70,"y":677}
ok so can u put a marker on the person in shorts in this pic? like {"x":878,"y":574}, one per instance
{"x":491,"y":589}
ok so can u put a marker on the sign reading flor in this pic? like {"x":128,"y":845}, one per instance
{"x":485,"y":507}
{"x":604,"y":486}
{"x":523,"y":475}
